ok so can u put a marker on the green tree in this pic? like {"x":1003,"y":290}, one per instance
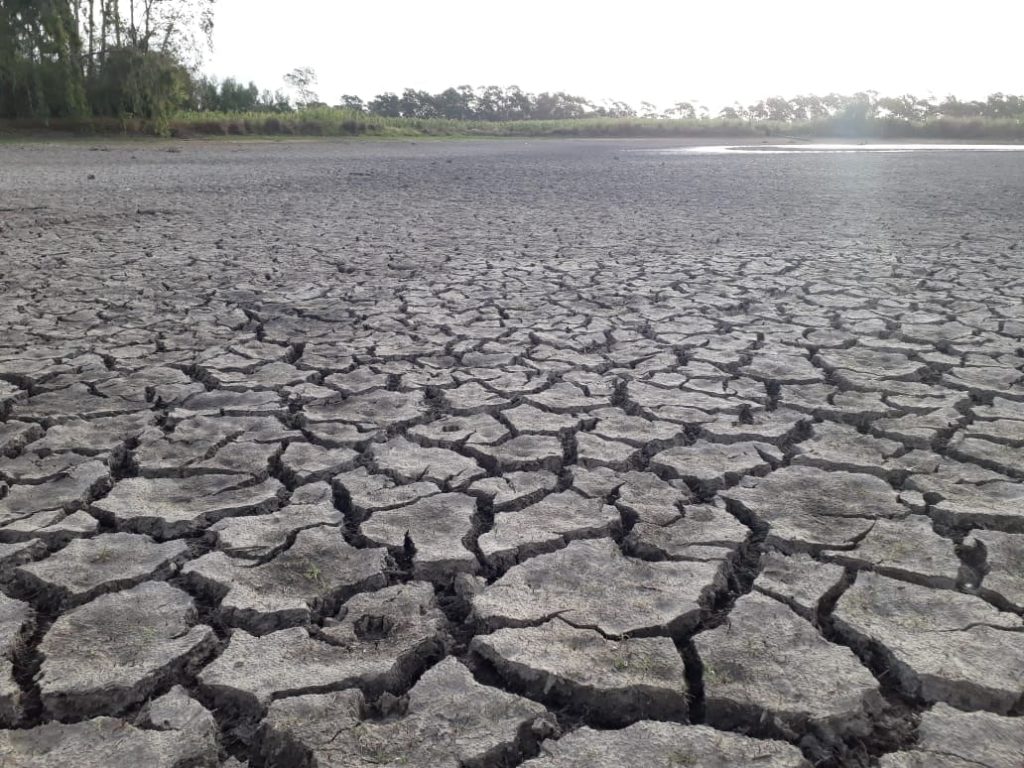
{"x":40,"y":59}
{"x":134,"y":83}
{"x":235,"y":97}
{"x":559,"y":106}
{"x":618,"y":109}
{"x":682,"y":110}
{"x":455,"y":103}
{"x":105,"y":57}
{"x":301,"y":80}
{"x":899,"y":107}
{"x":518,"y":104}
{"x":273,"y":101}
{"x":490,"y":103}
{"x":415,"y":103}
{"x":385,"y":104}
{"x":353,"y":102}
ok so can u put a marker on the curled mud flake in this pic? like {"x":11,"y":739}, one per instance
{"x":260,"y":536}
{"x":514,"y":490}
{"x":996,"y":504}
{"x":76,"y":401}
{"x":69,"y":491}
{"x":106,"y":741}
{"x":166,"y":508}
{"x":17,"y":622}
{"x":998,"y":457}
{"x":544,"y":527}
{"x":670,"y":744}
{"x":907,"y":549}
{"x":408,"y":462}
{"x":592,"y":584}
{"x":450,"y":721}
{"x":565,"y":398}
{"x":114,"y":652}
{"x":528,"y":419}
{"x":950,"y":738}
{"x":938,"y":645}
{"x":526,"y":452}
{"x":809,"y":509}
{"x":800,"y":581}
{"x":709,"y":467}
{"x":307,"y":463}
{"x":366,"y":493}
{"x":380,"y":409}
{"x":1003,"y":581}
{"x":309,"y":579}
{"x":381,"y":641}
{"x":704,"y":532}
{"x":768,"y":671}
{"x":433,"y":530}
{"x":455,"y":431}
{"x":839,"y":447}
{"x":471,"y":398}
{"x":595,"y":451}
{"x":105,"y":563}
{"x":613,"y":682}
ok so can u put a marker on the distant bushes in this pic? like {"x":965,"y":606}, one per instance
{"x":341,"y":122}
{"x":147,"y":84}
{"x":327,"y":121}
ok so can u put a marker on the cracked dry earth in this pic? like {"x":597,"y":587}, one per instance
{"x":552,"y":454}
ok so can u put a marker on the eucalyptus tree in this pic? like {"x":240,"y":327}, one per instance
{"x":108,"y":57}
{"x":40,"y":59}
{"x":301,"y":81}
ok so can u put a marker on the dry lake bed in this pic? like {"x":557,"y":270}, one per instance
{"x":553,"y":454}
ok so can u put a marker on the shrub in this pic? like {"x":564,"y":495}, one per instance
{"x":139,"y":84}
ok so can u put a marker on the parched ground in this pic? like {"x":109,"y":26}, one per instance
{"x":553,"y":454}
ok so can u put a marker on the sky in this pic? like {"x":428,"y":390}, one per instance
{"x":709,"y":52}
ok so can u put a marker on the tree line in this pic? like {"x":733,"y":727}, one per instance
{"x":496,"y":104}
{"x":142,"y":59}
{"x":868,"y":105}
{"x":74,"y":58}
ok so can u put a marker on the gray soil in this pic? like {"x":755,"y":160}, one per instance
{"x":502,"y":453}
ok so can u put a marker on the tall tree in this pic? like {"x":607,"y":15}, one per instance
{"x":301,"y":80}
{"x":40,"y":59}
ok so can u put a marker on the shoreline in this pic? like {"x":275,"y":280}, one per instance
{"x":37,"y":136}
{"x":326,"y":124}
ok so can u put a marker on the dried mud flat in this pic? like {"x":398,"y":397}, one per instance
{"x":502,"y":454}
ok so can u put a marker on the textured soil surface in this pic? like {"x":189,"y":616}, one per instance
{"x":487,"y":454}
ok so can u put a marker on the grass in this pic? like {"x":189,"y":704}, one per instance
{"x":373,"y":748}
{"x":682,"y":758}
{"x":336,"y":122}
{"x":632,"y":661}
{"x":313,"y":573}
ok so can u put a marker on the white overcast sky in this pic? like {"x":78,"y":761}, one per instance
{"x":662,"y":52}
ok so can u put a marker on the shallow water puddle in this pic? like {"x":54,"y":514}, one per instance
{"x":777,"y":149}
